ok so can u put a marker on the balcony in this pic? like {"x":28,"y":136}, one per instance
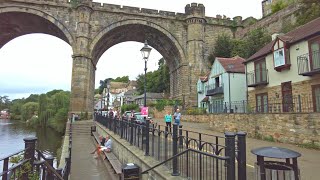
{"x":214,"y":90}
{"x":309,"y":64}
{"x":257,"y":78}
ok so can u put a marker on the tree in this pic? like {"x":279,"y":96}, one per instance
{"x":28,"y":110}
{"x":222,"y":47}
{"x":255,"y":40}
{"x":124,"y":79}
{"x":309,"y":10}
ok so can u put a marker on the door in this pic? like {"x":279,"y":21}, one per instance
{"x":316,"y":97}
{"x":287,"y":102}
{"x":314,"y":54}
{"x":262,"y":103}
{"x":260,"y":71}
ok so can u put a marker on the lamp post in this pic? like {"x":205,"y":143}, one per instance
{"x":145,"y":51}
{"x":108,"y":95}
{"x":102,"y":100}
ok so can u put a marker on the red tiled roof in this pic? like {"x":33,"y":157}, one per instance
{"x":232,"y":65}
{"x":305,"y":31}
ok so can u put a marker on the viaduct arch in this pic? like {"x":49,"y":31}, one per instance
{"x":184,"y":39}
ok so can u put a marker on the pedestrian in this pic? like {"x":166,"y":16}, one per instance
{"x":105,"y":147}
{"x":168,"y":120}
{"x":177,"y":117}
{"x":111,"y":114}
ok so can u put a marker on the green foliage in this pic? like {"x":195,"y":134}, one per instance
{"x":157,"y":81}
{"x":74,"y":3}
{"x":279,"y":5}
{"x":310,"y":10}
{"x":269,"y":138}
{"x":196,"y":111}
{"x":28,"y":110}
{"x":246,"y":47}
{"x":311,"y":145}
{"x":129,"y":107}
{"x":58,"y":122}
{"x":124,"y":79}
{"x":160,"y":104}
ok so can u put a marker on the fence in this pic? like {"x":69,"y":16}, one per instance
{"x":32,"y":163}
{"x":189,"y":154}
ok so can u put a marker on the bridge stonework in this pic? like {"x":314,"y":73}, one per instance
{"x":185,"y":40}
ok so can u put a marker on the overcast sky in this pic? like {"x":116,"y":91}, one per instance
{"x":38,"y":63}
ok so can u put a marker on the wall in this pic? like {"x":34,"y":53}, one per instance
{"x":131,"y":154}
{"x":295,"y":128}
{"x":238,"y":86}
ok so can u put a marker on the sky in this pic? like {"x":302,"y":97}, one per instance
{"x":38,"y":63}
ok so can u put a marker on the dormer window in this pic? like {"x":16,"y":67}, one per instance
{"x":281,"y":59}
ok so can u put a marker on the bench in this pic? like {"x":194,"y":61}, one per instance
{"x":115,"y":163}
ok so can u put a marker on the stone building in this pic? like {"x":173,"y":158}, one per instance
{"x":284,"y":76}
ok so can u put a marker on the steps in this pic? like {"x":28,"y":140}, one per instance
{"x":81,"y":127}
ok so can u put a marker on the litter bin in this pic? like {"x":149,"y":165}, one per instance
{"x":276,"y":170}
{"x":130,"y":171}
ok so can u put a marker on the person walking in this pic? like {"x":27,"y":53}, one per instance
{"x":168,"y":120}
{"x":177,"y":117}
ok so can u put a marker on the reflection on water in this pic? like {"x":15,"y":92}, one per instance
{"x":12,"y":134}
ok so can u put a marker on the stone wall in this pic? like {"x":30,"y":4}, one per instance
{"x":131,"y":154}
{"x":295,"y":128}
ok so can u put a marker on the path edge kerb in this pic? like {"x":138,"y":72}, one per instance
{"x":147,"y":161}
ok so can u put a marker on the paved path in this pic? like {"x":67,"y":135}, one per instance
{"x":83,"y":164}
{"x":309,"y":162}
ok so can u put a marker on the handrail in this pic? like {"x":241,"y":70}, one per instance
{"x":14,"y":166}
{"x":12,"y":154}
{"x":52,"y":170}
{"x":183,"y":152}
{"x":40,"y":153}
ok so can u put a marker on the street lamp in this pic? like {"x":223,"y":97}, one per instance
{"x":108,"y":95}
{"x":145,"y":51}
{"x":102,"y":100}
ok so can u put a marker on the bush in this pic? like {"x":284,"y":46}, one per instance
{"x":129,"y":107}
{"x":196,"y":111}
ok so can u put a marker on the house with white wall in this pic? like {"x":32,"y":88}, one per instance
{"x":202,"y":99}
{"x":284,"y":76}
{"x":226,"y":85}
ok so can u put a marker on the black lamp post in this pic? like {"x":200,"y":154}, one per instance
{"x":108,"y":95}
{"x":102,"y":84}
{"x":145,"y":51}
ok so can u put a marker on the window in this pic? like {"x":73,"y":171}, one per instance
{"x":287,"y":101}
{"x":217,"y":81}
{"x":278,"y":57}
{"x":316,"y":97}
{"x":262,"y":102}
{"x":314,"y":51}
{"x":260,"y":71}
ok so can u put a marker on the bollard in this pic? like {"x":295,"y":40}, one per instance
{"x":230,"y":151}
{"x":175,"y":150}
{"x":242,"y":167}
{"x":30,"y":148}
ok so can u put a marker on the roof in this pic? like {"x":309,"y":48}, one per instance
{"x":151,"y":96}
{"x":118,"y":85}
{"x":303,"y":32}
{"x":131,"y":92}
{"x":232,"y":65}
{"x":205,"y":77}
{"x":205,"y":99}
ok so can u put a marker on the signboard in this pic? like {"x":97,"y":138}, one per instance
{"x":144,"y":111}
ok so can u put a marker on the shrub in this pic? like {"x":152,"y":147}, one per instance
{"x":196,"y":111}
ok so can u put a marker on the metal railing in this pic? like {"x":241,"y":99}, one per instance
{"x":258,"y":77}
{"x":217,"y":153}
{"x":31,"y":162}
{"x":226,"y":107}
{"x":307,"y":67}
{"x":213,"y":89}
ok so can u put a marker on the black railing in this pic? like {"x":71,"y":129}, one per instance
{"x":226,"y":107}
{"x":309,"y":64}
{"x":217,"y":155}
{"x":258,"y":77}
{"x":214,"y":89}
{"x":294,"y":104}
{"x":31,"y":162}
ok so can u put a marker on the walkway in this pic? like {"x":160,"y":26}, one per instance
{"x":83,"y":164}
{"x":309,"y":162}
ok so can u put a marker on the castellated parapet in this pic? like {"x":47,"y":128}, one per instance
{"x":195,"y":10}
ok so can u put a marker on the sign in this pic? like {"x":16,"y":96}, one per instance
{"x":144,"y":111}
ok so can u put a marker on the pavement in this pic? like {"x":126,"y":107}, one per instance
{"x":309,"y":162}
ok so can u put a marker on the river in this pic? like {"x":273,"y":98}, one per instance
{"x":12,"y":134}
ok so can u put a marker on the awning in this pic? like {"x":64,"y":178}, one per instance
{"x":206,"y":99}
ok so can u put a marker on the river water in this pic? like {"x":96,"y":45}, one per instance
{"x":12,"y":134}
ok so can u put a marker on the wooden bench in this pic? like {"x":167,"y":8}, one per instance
{"x":114,"y":161}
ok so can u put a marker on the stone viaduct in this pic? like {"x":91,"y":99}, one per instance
{"x":185,"y":40}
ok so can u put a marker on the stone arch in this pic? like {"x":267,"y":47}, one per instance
{"x":14,"y":23}
{"x":158,"y":37}
{"x":140,"y":30}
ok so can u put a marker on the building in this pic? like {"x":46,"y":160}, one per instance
{"x":226,"y":85}
{"x":284,"y":76}
{"x":151,"y":98}
{"x":201,"y":92}
{"x":267,"y":5}
{"x":129,"y":96}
